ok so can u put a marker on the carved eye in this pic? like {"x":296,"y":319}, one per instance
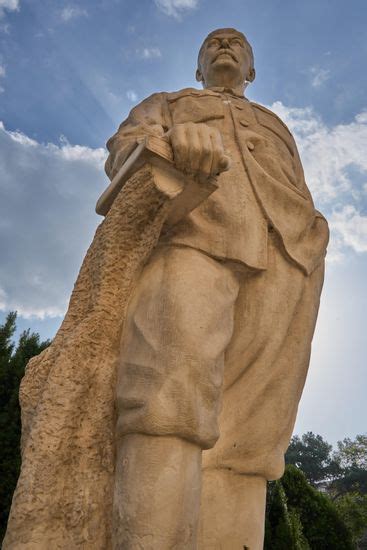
{"x":213,"y":42}
{"x":237,"y":41}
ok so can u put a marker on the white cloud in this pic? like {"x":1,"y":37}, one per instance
{"x":351,"y":225}
{"x":72,"y":12}
{"x":10,"y":5}
{"x":176,"y":8}
{"x":335,"y":164}
{"x":47,"y":198}
{"x":149,"y":53}
{"x":319,"y":76}
{"x":131,"y":95}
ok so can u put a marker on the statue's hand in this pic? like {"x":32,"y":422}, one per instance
{"x":198,"y":149}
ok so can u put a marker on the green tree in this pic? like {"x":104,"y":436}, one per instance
{"x":349,"y":490}
{"x":323,"y":526}
{"x":352,"y":458}
{"x":352,"y":507}
{"x":6,"y":349}
{"x":345,"y":473}
{"x":298,"y":517}
{"x":313,"y":455}
{"x":353,"y":453}
{"x":283,"y":528}
{"x":352,"y":480}
{"x":12,"y":365}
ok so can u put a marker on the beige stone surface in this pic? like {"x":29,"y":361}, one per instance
{"x":230,"y":504}
{"x":64,"y":495}
{"x":157,"y":494}
{"x":179,"y":366}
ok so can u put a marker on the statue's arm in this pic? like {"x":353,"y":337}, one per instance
{"x":197,"y":148}
{"x":146,"y":119}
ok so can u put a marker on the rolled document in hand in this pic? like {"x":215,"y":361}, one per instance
{"x":186,"y":192}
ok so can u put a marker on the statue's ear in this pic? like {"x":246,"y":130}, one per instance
{"x":199,"y":76}
{"x":251,"y":75}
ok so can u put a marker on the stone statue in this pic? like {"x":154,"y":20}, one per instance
{"x":170,"y":392}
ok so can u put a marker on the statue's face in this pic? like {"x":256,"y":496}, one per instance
{"x":225,"y":60}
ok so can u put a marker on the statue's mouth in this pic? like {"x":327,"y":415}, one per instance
{"x":227,"y":53}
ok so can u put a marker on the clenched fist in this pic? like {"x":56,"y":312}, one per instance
{"x":198,"y":149}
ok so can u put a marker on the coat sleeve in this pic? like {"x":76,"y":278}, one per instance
{"x":299,"y":173}
{"x":149,"y":118}
{"x":300,"y":181}
{"x":272,"y":121}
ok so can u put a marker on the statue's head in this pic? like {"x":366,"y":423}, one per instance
{"x":225,"y":59}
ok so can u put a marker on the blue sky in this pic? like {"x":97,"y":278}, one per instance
{"x":70,"y":71}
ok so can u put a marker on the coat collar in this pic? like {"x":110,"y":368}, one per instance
{"x":232,"y":91}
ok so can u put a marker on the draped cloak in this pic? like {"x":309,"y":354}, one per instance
{"x":64,"y":494}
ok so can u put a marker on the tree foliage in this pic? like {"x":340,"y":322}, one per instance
{"x":343,"y":475}
{"x":283,"y":528}
{"x":313,"y":455}
{"x":323,"y":527}
{"x":13,"y":360}
{"x":352,"y":453}
{"x":352,"y":507}
{"x":300,"y":517}
{"x":352,"y":459}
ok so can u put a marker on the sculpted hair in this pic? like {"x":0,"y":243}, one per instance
{"x":234,"y":31}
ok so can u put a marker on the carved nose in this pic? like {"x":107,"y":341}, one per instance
{"x":225,"y":43}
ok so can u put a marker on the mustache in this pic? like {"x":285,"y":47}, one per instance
{"x":227,"y":51}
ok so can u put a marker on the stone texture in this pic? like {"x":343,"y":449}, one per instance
{"x":64,"y":494}
{"x":230,"y":503}
{"x":181,"y":361}
{"x":144,"y":516}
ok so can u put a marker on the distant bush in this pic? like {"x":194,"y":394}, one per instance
{"x":13,"y":360}
{"x":299,"y":517}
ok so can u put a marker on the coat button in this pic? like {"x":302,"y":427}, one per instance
{"x":244,"y":123}
{"x":250,"y":146}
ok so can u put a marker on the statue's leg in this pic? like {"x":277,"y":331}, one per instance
{"x":179,"y":323}
{"x":157,"y":494}
{"x":266,"y":364}
{"x":232,"y":512}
